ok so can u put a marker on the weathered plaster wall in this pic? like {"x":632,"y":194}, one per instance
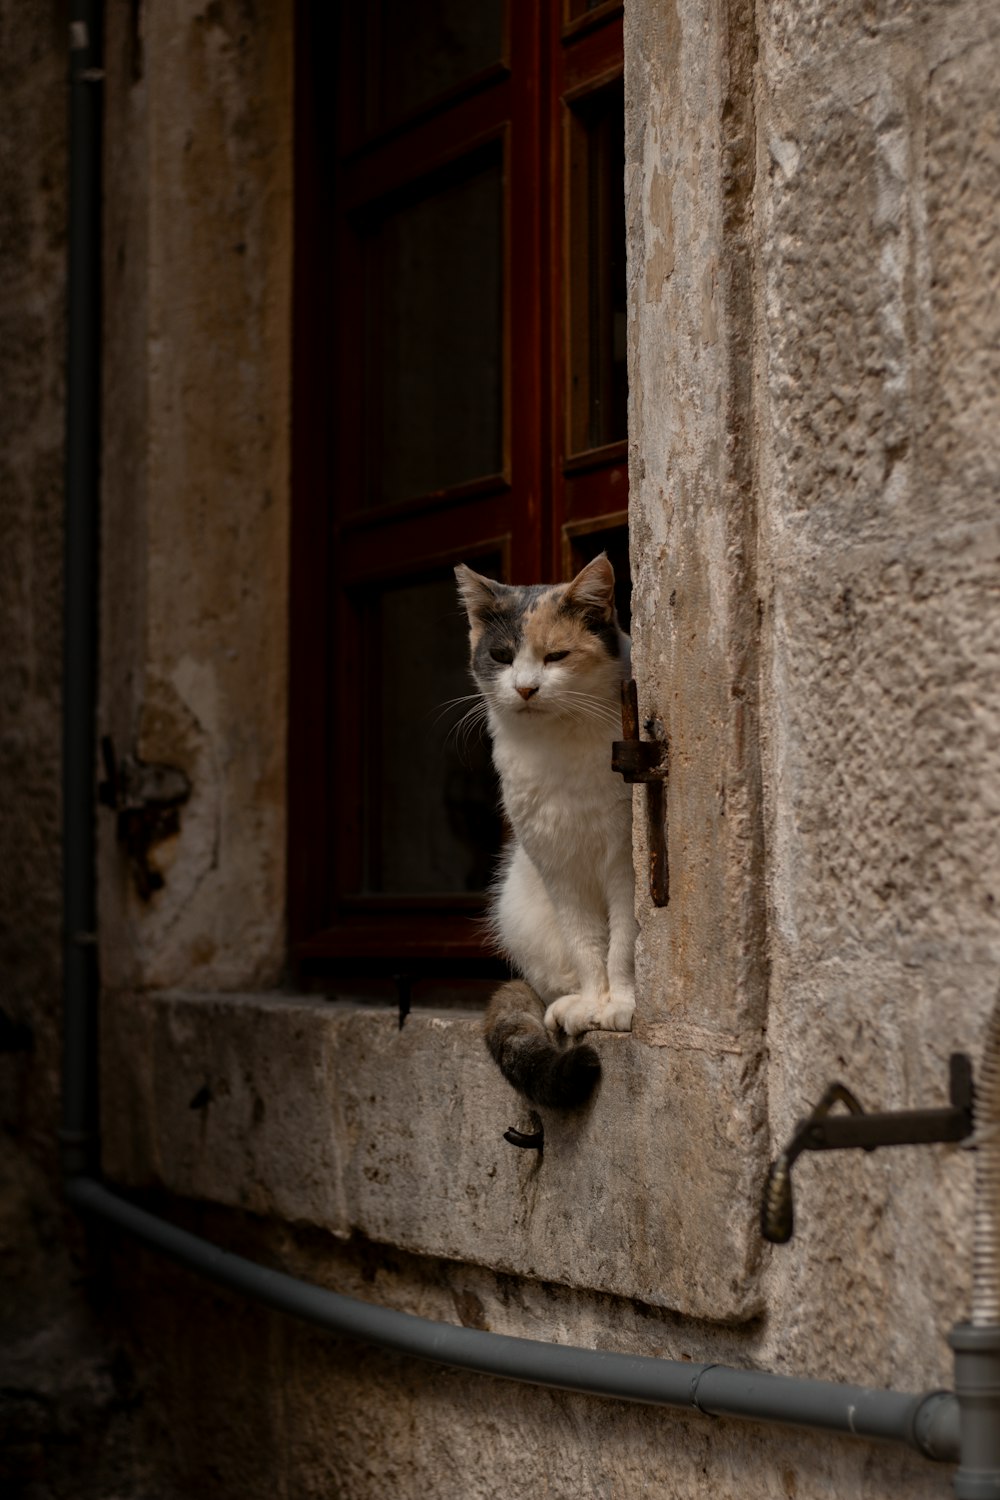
{"x":815,"y":434}
{"x":72,"y":1418}
{"x":813,"y":476}
{"x":32,"y":216}
{"x":701,"y":961}
{"x":812,"y":200}
{"x":877,"y":366}
{"x":198,"y":323}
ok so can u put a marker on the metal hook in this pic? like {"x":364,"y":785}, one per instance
{"x":865,"y":1132}
{"x":777,"y":1214}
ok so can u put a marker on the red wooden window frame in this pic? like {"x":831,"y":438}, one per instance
{"x":535,"y":515}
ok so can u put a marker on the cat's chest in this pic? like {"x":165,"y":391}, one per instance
{"x":548,"y":791}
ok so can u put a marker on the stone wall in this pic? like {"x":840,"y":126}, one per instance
{"x":815,"y":462}
{"x":876,"y":364}
{"x":196,"y":480}
{"x":73,"y":1419}
{"x":32,"y":306}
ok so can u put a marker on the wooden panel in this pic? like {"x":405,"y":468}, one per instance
{"x":594,"y":491}
{"x":456,"y":531}
{"x":591,"y":57}
{"x":511,"y":522}
{"x":388,"y":168}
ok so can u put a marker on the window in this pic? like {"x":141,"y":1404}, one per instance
{"x":460,"y":394}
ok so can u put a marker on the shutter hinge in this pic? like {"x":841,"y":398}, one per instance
{"x":647,"y":761}
{"x":147,"y":798}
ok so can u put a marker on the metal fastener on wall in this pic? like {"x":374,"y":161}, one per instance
{"x":647,"y":761}
{"x":147,"y":798}
{"x":858,"y":1130}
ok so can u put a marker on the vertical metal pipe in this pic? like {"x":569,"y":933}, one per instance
{"x":83,"y":362}
{"x":985,"y":1309}
{"x":977,"y":1343}
{"x":977,"y":1386}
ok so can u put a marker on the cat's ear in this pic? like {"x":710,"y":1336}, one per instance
{"x":592,"y":591}
{"x":477,"y":593}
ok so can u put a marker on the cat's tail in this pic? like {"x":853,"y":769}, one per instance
{"x":528,"y":1057}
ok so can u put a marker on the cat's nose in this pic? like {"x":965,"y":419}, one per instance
{"x":527,"y":692}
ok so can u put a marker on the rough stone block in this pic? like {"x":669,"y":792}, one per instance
{"x":330,"y":1115}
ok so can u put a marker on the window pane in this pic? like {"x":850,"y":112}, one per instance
{"x":431,"y":797}
{"x":417,"y":51}
{"x":584,"y":7}
{"x":584,"y":547}
{"x":598,"y":393}
{"x":434,"y":342}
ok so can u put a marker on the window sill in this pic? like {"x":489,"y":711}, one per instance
{"x":326,"y":1113}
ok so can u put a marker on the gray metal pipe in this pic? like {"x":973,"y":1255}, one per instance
{"x":977,"y":1342}
{"x":78,"y":1134}
{"x":928,"y":1423}
{"x":977,"y":1388}
{"x":985,"y":1307}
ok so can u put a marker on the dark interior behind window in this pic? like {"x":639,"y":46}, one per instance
{"x":459,"y":395}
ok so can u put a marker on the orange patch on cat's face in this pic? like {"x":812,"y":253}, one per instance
{"x":545,"y":629}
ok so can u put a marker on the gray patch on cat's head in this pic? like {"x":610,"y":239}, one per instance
{"x":501,"y":625}
{"x":498,"y":613}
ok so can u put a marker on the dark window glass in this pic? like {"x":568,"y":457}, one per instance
{"x":598,"y":387}
{"x":418,"y":50}
{"x":434,"y":341}
{"x":431,"y":817}
{"x":613,"y":540}
{"x":459,"y":395}
{"x":575,"y":9}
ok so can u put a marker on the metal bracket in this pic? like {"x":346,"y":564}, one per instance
{"x":147,"y":798}
{"x":857,"y":1130}
{"x":532,"y":1139}
{"x":648,"y":762}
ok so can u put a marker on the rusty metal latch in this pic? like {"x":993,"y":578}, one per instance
{"x":146,"y":798}
{"x":859,"y":1130}
{"x":647,"y":761}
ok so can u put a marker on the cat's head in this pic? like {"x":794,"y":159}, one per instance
{"x":546,"y":650}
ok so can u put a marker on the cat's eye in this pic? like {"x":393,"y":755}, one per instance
{"x":503,"y":654}
{"x":555,"y":656}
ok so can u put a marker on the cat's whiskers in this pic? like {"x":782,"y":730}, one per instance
{"x":450,"y":703}
{"x":472,"y":720}
{"x":590,"y":706}
{"x":576,"y":714}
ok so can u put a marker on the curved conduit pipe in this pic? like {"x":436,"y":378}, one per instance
{"x":929,"y":1423}
{"x":977,"y":1342}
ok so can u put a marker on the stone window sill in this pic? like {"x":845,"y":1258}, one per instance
{"x":326,"y":1113}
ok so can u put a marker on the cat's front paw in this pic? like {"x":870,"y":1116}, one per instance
{"x":619,"y":1010}
{"x":578,"y":1013}
{"x":568,"y":1013}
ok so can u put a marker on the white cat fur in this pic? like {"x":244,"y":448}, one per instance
{"x":563,"y":907}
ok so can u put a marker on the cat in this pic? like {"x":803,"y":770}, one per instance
{"x":549,"y":661}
